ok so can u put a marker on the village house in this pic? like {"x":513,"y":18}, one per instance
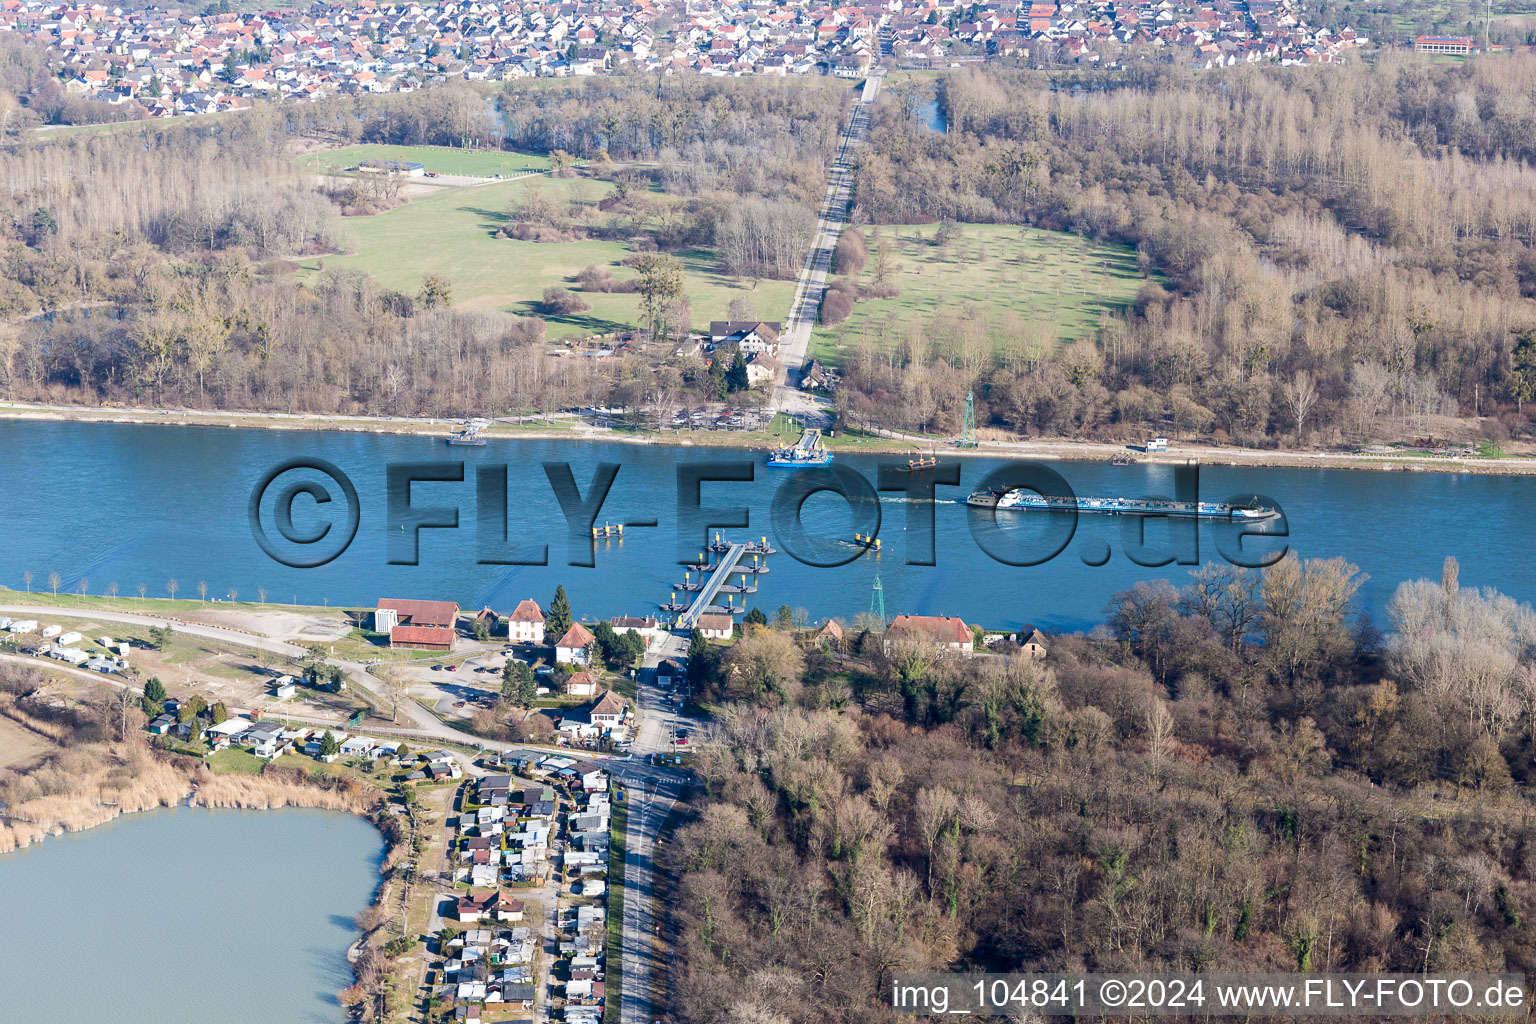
{"x":580,"y":684}
{"x":573,"y":647}
{"x":1032,"y":644}
{"x":609,"y":711}
{"x":647,"y":629}
{"x":422,"y":625}
{"x":526,"y":623}
{"x":716,"y":626}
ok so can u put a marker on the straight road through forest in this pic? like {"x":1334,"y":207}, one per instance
{"x":803,"y":312}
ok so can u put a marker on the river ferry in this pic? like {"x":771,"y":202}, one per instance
{"x":804,"y":453}
{"x":1029,"y":501}
{"x":469,"y":434}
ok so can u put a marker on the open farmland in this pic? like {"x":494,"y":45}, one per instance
{"x":1022,"y":284}
{"x":451,"y":233}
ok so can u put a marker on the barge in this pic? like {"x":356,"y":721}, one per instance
{"x":1029,"y":501}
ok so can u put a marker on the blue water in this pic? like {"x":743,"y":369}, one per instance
{"x":185,"y":917}
{"x":143,"y":504}
{"x":931,"y":116}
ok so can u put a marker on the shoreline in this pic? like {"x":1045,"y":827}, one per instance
{"x":169,"y":781}
{"x":1063,"y":449}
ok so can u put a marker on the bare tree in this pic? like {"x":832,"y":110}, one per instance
{"x":934,"y":811}
{"x":172,"y":586}
{"x":53,"y":583}
{"x":26,"y":578}
{"x":202,"y":590}
{"x":1300,"y":394}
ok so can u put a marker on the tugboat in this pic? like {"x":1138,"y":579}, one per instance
{"x":807,"y":452}
{"x":469,"y":434}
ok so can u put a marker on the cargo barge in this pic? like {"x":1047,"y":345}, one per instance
{"x":1029,"y":501}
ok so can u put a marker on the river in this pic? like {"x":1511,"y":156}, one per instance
{"x":131,"y":505}
{"x":186,"y":916}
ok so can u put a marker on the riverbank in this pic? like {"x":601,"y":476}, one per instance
{"x":67,"y":785}
{"x":96,"y":785}
{"x":567,"y":427}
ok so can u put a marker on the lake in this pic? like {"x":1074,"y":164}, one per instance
{"x":185,"y":916}
{"x":131,"y":505}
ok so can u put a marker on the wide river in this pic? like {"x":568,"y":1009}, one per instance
{"x":140,"y":505}
{"x":185,"y":917}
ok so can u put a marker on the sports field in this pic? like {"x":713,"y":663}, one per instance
{"x":1015,"y":280}
{"x":450,"y":232}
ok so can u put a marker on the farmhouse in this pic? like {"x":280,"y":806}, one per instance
{"x":425,"y":625}
{"x":946,"y":632}
{"x":753,"y":337}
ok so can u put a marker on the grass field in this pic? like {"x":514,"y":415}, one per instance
{"x":450,"y":233}
{"x":479,"y":163}
{"x":235,"y":762}
{"x":1015,"y":279}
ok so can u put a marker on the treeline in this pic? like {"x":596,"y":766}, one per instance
{"x":1321,"y":234}
{"x":1165,"y":794}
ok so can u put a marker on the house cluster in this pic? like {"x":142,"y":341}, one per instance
{"x":105,"y":655}
{"x":435,"y":626}
{"x":507,"y":838}
{"x":606,"y":718}
{"x":756,"y":340}
{"x":172,"y":61}
{"x":1206,"y":33}
{"x":175,"y":61}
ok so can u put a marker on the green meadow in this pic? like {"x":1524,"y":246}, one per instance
{"x":478,"y":163}
{"x":450,"y":232}
{"x":1015,"y":279}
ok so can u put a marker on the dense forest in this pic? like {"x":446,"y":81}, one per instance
{"x":1341,"y":247}
{"x":1239,"y":773}
{"x":157,"y":267}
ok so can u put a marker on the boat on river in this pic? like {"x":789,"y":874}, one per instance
{"x":470,"y":434}
{"x":807,"y":452}
{"x":1023,"y":500}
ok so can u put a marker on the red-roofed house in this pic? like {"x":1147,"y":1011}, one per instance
{"x":947,"y":632}
{"x":428,"y":625}
{"x":571,"y":649}
{"x":526,"y":623}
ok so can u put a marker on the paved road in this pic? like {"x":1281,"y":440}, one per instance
{"x":818,"y":262}
{"x":651,"y":794}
